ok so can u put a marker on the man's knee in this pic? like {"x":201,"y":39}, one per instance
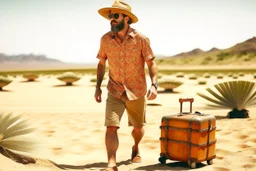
{"x":138,"y":129}
{"x":112,"y":128}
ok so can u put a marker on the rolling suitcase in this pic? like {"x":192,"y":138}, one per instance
{"x":188,"y":137}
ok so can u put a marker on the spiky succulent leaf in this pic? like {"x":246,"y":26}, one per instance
{"x":17,"y":145}
{"x":12,"y":128}
{"x":233,"y":94}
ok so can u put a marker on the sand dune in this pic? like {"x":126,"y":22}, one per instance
{"x":70,"y":129}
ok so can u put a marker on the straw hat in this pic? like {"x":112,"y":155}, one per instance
{"x":119,"y":6}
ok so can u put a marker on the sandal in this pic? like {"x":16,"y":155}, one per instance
{"x":135,"y":158}
{"x":114,"y":168}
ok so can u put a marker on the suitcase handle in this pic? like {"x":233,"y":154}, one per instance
{"x":181,"y":100}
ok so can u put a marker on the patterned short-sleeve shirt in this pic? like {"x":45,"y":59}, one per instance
{"x":126,"y":63}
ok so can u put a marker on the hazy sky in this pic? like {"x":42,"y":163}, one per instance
{"x":70,"y":30}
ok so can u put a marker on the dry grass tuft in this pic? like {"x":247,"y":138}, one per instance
{"x":69,"y":78}
{"x":4,"y":82}
{"x":30,"y":76}
{"x":169,"y":84}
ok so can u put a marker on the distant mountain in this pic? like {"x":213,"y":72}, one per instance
{"x":196,"y":51}
{"x":249,"y":46}
{"x":26,"y":58}
{"x":241,"y":53}
{"x":24,"y":62}
{"x":214,"y":50}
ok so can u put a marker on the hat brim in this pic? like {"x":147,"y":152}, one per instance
{"x":104,"y":12}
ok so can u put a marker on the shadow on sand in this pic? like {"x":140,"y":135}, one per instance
{"x":28,"y":81}
{"x":154,"y":104}
{"x":167,"y":92}
{"x":100,"y":165}
{"x":168,"y":166}
{"x":6,"y":91}
{"x":221,"y":117}
{"x":64,"y":85}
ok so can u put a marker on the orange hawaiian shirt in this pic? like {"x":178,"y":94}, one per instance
{"x":126,"y":63}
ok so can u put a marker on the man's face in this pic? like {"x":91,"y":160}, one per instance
{"x":116,"y":22}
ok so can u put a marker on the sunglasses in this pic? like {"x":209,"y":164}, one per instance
{"x":115,"y":16}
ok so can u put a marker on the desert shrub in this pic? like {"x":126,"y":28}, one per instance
{"x":235,"y":76}
{"x":247,"y":59}
{"x":234,"y":95}
{"x":230,"y":74}
{"x":252,"y":55}
{"x":4,"y":82}
{"x":30,"y":76}
{"x":254,"y":75}
{"x":207,"y":60}
{"x":93,"y":80}
{"x":241,"y":74}
{"x":192,"y":77}
{"x":69,"y":78}
{"x":222,"y":55}
{"x":169,"y":84}
{"x":206,"y":75}
{"x":179,"y":74}
{"x":220,"y":76}
{"x":202,"y":81}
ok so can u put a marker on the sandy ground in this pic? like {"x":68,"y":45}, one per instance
{"x":70,"y":128}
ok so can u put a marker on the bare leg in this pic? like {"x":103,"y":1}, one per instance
{"x":111,"y":141}
{"x":137,"y":135}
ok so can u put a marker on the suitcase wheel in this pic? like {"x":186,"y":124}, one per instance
{"x":192,"y":165}
{"x":210,"y":162}
{"x":162,"y":160}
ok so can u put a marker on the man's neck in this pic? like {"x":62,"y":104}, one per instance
{"x":121,"y":34}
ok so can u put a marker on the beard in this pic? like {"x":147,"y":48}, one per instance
{"x":118,"y":27}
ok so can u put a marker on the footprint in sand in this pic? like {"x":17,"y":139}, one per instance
{"x":249,"y":166}
{"x":221,"y":153}
{"x":240,"y":136}
{"x":56,"y":150}
{"x":49,"y":133}
{"x":225,"y":133}
{"x":220,"y":169}
{"x":243,"y":146}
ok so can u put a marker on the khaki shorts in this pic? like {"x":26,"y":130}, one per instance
{"x":115,"y":109}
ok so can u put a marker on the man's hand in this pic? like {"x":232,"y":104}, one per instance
{"x":97,"y":94}
{"x":152,"y":93}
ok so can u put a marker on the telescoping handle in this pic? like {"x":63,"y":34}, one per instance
{"x":181,"y":100}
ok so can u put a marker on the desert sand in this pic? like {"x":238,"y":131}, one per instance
{"x":70,"y":127}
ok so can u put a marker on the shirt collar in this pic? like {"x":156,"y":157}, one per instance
{"x":130,"y":32}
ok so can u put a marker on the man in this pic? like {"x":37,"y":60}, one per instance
{"x":126,"y":51}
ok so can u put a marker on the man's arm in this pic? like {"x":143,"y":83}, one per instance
{"x":153,"y":73}
{"x":100,"y":75}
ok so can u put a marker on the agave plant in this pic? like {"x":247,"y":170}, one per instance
{"x":169,"y":84}
{"x":235,"y":95}
{"x":69,"y":78}
{"x":4,"y":82}
{"x":12,"y":140}
{"x":30,"y":76}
